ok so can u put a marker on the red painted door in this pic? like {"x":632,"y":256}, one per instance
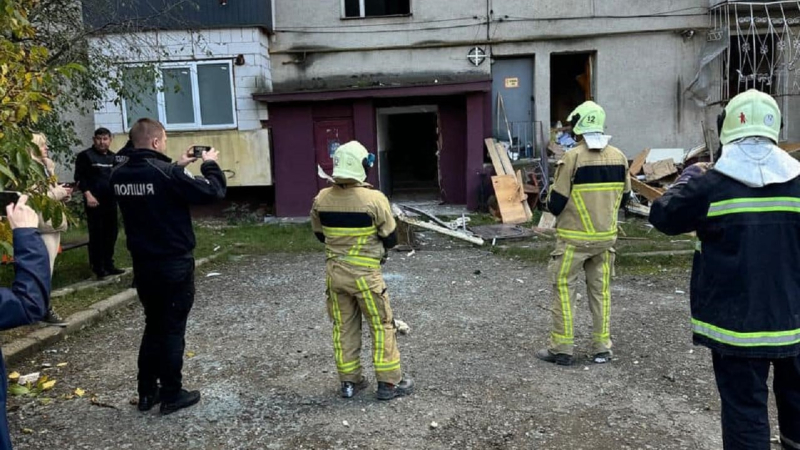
{"x":328,"y":136}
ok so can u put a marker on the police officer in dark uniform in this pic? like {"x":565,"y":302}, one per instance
{"x":154,"y":194}
{"x":92,"y":169}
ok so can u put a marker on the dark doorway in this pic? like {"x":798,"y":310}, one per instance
{"x":412,"y":147}
{"x":571,"y":83}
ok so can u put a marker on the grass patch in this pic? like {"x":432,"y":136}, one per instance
{"x":653,"y":265}
{"x":258,"y":239}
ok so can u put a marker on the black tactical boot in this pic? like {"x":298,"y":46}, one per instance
{"x":147,"y":402}
{"x":184,"y":400}
{"x":388,"y":391}
{"x":350,"y":389}
{"x":602,"y":358}
{"x":561,"y":359}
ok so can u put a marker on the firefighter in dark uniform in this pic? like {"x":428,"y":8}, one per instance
{"x":745,"y":286}
{"x":92,"y":169}
{"x":357,"y":226}
{"x":154,"y":195}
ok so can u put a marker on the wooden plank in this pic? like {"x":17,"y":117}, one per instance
{"x":638,"y":162}
{"x":646,"y":191}
{"x":790,"y":147}
{"x":491,"y":148}
{"x":442,"y":230}
{"x":507,"y":192}
{"x":659,"y":170}
{"x":525,"y":206}
{"x":503,"y":155}
{"x":435,"y":219}
{"x":548,"y":221}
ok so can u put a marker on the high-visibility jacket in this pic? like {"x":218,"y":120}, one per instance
{"x":745,"y":287}
{"x":587,"y":192}
{"x":355,"y":222}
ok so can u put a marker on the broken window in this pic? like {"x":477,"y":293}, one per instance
{"x":376,"y":8}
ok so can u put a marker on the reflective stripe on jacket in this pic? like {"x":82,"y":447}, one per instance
{"x":356,"y":222}
{"x":745,"y":289}
{"x":586,"y":194}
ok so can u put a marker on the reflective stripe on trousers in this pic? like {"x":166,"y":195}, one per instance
{"x":566,"y":265}
{"x":353,"y":291}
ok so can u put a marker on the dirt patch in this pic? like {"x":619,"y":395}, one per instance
{"x":263,"y":361}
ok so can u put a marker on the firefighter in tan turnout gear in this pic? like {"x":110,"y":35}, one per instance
{"x":356,"y":224}
{"x":591,"y":182}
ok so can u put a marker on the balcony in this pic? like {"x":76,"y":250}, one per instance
{"x":113,"y":16}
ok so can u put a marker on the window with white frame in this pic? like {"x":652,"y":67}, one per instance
{"x":185,"y":96}
{"x":375,"y":8}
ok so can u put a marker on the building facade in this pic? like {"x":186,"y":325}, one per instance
{"x":196,"y":72}
{"x":277,"y":86}
{"x":423,"y":82}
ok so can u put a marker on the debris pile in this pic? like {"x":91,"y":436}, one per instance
{"x":653,"y":171}
{"x":456,"y":229}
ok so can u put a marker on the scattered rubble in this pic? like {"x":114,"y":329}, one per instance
{"x":438,"y":225}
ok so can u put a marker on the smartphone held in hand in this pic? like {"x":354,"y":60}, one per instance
{"x":8,"y":197}
{"x":197,"y":150}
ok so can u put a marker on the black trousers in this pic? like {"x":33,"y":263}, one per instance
{"x":166,"y":291}
{"x":103,"y":231}
{"x":742,"y":384}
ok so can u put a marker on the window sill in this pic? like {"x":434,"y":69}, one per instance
{"x":391,"y":16}
{"x":193,"y":129}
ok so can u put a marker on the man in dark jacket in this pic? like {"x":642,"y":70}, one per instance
{"x":154,"y":195}
{"x":92,"y":169}
{"x":27,"y":300}
{"x":745,"y":287}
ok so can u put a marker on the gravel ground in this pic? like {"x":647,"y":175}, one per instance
{"x":262,"y":358}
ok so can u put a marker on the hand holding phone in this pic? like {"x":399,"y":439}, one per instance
{"x":197,"y":150}
{"x":9,"y":198}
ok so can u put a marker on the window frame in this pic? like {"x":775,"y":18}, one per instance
{"x":363,"y":11}
{"x":198,"y":120}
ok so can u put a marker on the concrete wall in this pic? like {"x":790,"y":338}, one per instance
{"x":637,"y":82}
{"x":642,"y":59}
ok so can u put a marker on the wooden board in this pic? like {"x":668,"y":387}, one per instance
{"x":638,"y":162}
{"x":492,"y":150}
{"x":548,"y":221}
{"x":790,"y":147}
{"x":659,"y":170}
{"x":509,"y":168}
{"x":646,"y":191}
{"x":521,"y":187}
{"x":442,"y":230}
{"x":497,"y":153}
{"x":507,"y":192}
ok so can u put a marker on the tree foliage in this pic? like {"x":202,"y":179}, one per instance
{"x":54,"y":64}
{"x":29,"y":84}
